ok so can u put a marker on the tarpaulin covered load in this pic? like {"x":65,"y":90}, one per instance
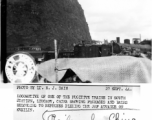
{"x":113,"y":69}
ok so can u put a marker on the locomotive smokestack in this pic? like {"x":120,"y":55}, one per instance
{"x":118,"y":39}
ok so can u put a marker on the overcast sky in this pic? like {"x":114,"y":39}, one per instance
{"x":108,"y":19}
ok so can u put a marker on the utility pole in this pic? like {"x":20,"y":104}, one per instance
{"x":112,"y":47}
{"x":56,"y":57}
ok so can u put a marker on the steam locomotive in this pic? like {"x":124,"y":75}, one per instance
{"x":22,"y":60}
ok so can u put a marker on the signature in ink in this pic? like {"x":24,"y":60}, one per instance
{"x":52,"y":117}
{"x":114,"y":116}
{"x":92,"y":117}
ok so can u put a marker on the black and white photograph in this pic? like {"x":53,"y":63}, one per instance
{"x":75,"y":59}
{"x":78,"y":41}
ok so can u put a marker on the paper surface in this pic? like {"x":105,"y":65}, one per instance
{"x":74,"y":102}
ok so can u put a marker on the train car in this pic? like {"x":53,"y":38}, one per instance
{"x":66,"y":54}
{"x":34,"y":51}
{"x":88,"y":51}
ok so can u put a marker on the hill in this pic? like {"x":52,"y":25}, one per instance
{"x":39,"y":22}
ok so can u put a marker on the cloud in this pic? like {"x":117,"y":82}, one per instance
{"x":124,"y":18}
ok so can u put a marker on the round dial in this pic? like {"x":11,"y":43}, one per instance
{"x":20,"y":68}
